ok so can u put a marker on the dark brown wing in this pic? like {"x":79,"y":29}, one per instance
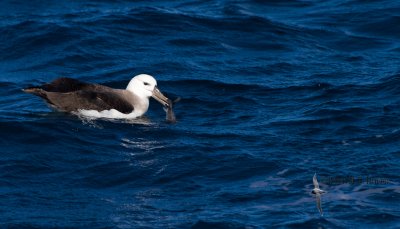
{"x":64,"y":85}
{"x":69,"y":95}
{"x":106,"y":101}
{"x":89,"y":100}
{"x":61,"y":85}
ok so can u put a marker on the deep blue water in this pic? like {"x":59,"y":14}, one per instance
{"x":272,"y":92}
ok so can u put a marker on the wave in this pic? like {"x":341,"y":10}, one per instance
{"x":209,"y":224}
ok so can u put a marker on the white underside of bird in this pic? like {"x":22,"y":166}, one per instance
{"x":111,"y":114}
{"x":317,"y":192}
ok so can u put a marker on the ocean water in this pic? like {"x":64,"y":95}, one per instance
{"x":272,"y":92}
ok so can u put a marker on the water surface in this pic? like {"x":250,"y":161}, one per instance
{"x":272,"y":92}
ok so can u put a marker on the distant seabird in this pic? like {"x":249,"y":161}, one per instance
{"x":71,"y":95}
{"x":318,"y":192}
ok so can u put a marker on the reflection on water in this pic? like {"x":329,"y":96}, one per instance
{"x":92,"y":121}
{"x":141,"y":121}
{"x":141,"y":143}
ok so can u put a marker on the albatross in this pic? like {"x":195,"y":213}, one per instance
{"x":95,"y":100}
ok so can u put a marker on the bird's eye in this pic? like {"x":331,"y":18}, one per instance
{"x":146,"y":84}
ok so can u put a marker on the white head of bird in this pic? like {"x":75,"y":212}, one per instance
{"x":145,"y":86}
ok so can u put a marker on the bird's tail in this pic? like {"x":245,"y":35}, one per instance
{"x":32,"y":90}
{"x":36,"y":91}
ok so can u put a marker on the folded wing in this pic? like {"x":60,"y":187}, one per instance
{"x":68,"y":95}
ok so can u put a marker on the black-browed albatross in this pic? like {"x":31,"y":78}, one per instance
{"x":71,"y":95}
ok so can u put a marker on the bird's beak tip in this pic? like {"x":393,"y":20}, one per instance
{"x":157,"y":95}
